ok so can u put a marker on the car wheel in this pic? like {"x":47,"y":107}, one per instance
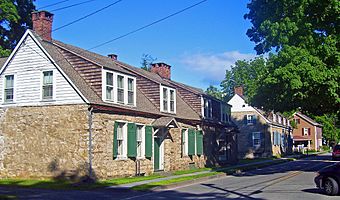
{"x":331,"y":187}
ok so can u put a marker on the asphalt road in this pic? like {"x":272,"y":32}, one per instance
{"x":293,"y":180}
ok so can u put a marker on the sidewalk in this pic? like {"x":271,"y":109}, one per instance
{"x":130,"y":185}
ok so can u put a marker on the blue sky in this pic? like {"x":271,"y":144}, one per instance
{"x":199,"y":44}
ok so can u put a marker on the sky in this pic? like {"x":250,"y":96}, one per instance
{"x":200,"y":44}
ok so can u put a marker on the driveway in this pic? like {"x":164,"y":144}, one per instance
{"x":293,"y":180}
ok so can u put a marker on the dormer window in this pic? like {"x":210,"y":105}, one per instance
{"x":280,"y":119}
{"x":168,"y":99}
{"x":225,"y":111}
{"x":119,"y":88}
{"x":274,"y":118}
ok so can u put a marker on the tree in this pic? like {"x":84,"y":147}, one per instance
{"x":329,"y":130}
{"x":147,"y":61}
{"x":244,"y":73}
{"x":215,"y":92}
{"x":15,"y":19}
{"x":305,"y":72}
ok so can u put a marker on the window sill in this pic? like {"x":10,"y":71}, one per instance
{"x":122,"y":158}
{"x":48,"y":100}
{"x":8,"y":103}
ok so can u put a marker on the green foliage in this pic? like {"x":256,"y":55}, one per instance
{"x":245,"y":73}
{"x":215,"y":92}
{"x":15,"y":18}
{"x":147,"y":61}
{"x":305,"y":72}
{"x":329,"y":130}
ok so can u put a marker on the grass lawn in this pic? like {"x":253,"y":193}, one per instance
{"x":189,"y":171}
{"x":67,"y":185}
{"x":172,"y":181}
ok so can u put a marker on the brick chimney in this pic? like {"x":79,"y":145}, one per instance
{"x":162,"y":69}
{"x":238,"y":90}
{"x":42,"y":24}
{"x":113,"y":56}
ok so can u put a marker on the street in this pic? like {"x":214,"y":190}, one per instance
{"x":292,"y":180}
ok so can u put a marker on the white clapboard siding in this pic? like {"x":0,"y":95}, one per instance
{"x":27,"y":66}
{"x":239,"y":104}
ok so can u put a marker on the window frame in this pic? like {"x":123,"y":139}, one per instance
{"x":207,"y":112}
{"x":304,"y":131}
{"x":259,"y":139}
{"x":142,"y":142}
{"x":125,"y":144}
{"x":167,"y":99}
{"x":115,"y":88}
{"x":53,"y":85}
{"x":224,"y":113}
{"x":111,"y":86}
{"x":251,"y":121}
{"x":13,"y":88}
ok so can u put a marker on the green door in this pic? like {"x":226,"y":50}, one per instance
{"x":156,"y":160}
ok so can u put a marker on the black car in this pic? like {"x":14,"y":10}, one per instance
{"x":328,"y":179}
{"x":336,"y":152}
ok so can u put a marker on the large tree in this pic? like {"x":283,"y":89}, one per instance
{"x":15,"y":18}
{"x":305,"y":71}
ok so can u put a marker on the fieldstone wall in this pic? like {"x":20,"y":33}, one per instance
{"x":49,"y":141}
{"x":105,"y":166}
{"x":244,"y":138}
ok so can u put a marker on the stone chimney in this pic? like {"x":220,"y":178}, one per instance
{"x":42,"y":24}
{"x":238,"y":90}
{"x":162,"y":69}
{"x":113,"y":56}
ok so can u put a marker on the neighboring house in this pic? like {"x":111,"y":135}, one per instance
{"x":307,"y":132}
{"x":65,"y":110}
{"x":261,"y":134}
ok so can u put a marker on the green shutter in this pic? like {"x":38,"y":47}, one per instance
{"x":191,"y":142}
{"x":148,"y":141}
{"x":115,"y":143}
{"x":132,"y":140}
{"x":199,"y":142}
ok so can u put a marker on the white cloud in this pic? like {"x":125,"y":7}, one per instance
{"x":213,"y":66}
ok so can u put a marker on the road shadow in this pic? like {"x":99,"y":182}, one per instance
{"x":313,"y":190}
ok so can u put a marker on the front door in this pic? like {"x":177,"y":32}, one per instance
{"x":158,"y":154}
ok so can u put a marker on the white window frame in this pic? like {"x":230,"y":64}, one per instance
{"x":4,"y":88}
{"x":280,"y":119}
{"x":142,"y":156}
{"x":111,"y":86}
{"x":115,"y":88}
{"x":133,"y":91}
{"x":250,"y":120}
{"x":185,"y":144}
{"x":274,"y":118}
{"x":53,"y":85}
{"x":124,"y":153}
{"x":224,"y":113}
{"x":259,"y":139}
{"x":305,"y":130}
{"x":168,"y":89}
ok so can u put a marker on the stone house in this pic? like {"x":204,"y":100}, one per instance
{"x":307,"y":132}
{"x":261,"y":134}
{"x":66,"y":111}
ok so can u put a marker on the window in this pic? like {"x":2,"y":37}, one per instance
{"x":120,"y":139}
{"x":172,"y":101}
{"x":140,"y":141}
{"x":131,"y":95}
{"x":109,"y":86}
{"x":256,"y":139}
{"x":9,"y":88}
{"x":184,"y":142}
{"x":165,"y":99}
{"x":274,"y":118}
{"x":280,"y":119}
{"x":297,"y":121}
{"x":306,"y":131}
{"x":47,"y":87}
{"x":251,"y":119}
{"x":119,"y":88}
{"x":207,"y":109}
{"x":168,"y":99}
{"x":284,"y":121}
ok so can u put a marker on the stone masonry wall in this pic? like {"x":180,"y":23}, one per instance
{"x":47,"y":141}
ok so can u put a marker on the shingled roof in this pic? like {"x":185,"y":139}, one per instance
{"x":56,"y":50}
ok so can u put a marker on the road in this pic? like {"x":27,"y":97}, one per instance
{"x":293,"y":180}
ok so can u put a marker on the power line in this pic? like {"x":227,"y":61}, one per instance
{"x":53,"y":4}
{"x":148,"y":25}
{"x":86,"y":16}
{"x":73,"y":5}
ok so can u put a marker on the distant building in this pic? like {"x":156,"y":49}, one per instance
{"x":307,"y":133}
